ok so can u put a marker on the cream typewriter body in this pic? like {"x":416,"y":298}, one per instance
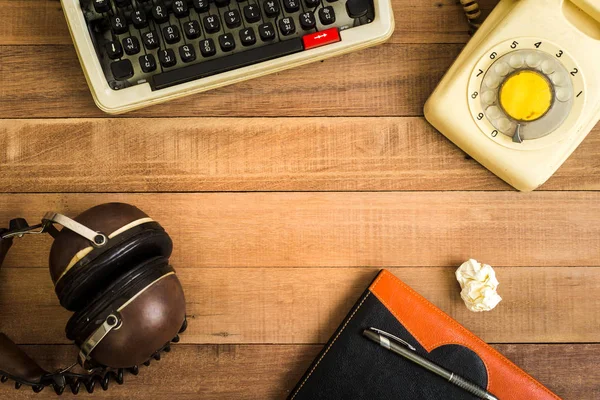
{"x":136,"y":53}
{"x":525,"y":91}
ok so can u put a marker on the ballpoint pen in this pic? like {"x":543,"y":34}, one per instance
{"x":407,"y":351}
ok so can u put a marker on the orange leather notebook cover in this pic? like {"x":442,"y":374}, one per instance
{"x":350,"y":366}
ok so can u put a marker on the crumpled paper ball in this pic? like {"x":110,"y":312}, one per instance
{"x":479,"y":286}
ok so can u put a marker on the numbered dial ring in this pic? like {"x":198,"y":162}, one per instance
{"x":526,"y":94}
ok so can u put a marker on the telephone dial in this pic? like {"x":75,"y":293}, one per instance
{"x":110,"y":267}
{"x":525,"y":91}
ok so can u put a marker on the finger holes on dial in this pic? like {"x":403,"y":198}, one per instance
{"x":499,"y":107}
{"x":563,"y":95}
{"x":548,"y":67}
{"x":558,"y":79}
{"x":503,"y":124}
{"x":493,"y":112}
{"x":502,"y":68}
{"x":492,"y":81}
{"x":533,"y":60}
{"x":516,"y":61}
{"x":488,"y":97}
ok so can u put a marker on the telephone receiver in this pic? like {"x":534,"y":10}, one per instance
{"x":525,"y":91}
{"x":110,"y":267}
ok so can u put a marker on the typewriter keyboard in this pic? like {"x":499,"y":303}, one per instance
{"x":165,"y":43}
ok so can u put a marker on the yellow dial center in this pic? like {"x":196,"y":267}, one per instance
{"x":526,"y":95}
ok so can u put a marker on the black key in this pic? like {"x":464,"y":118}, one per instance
{"x":247,"y":37}
{"x":357,"y":8}
{"x":224,"y":64}
{"x":187,"y":53}
{"x":114,"y":50}
{"x":160,"y":14}
{"x":232,"y":19}
{"x":207,"y":47}
{"x":131,"y":45}
{"x":266,"y":32}
{"x":331,"y":1}
{"x":118,"y":24}
{"x":201,"y":5}
{"x":122,"y":70}
{"x":222,"y":3}
{"x":327,"y":15}
{"x":312,"y":3}
{"x":307,"y":20}
{"x":211,"y":24}
{"x":101,"y":6}
{"x":171,"y":34}
{"x":138,"y":17}
{"x":252,"y":13}
{"x":167,"y":58}
{"x":291,"y":5}
{"x":192,"y":29}
{"x":287,"y":26}
{"x":150,"y":40}
{"x":147,"y":63}
{"x":122,"y":3}
{"x":271,"y":8}
{"x":180,"y":9}
{"x":226,"y":42}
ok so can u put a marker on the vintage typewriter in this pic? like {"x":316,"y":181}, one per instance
{"x":136,"y":53}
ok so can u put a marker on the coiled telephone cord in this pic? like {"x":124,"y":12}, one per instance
{"x":473,"y":12}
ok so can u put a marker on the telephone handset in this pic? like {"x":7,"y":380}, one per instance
{"x":524,"y":92}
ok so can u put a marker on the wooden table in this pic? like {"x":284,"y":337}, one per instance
{"x":284,"y":197}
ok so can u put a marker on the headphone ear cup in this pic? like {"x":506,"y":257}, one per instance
{"x":150,"y":303}
{"x":148,"y":325}
{"x":79,"y":270}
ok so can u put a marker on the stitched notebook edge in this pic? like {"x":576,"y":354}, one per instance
{"x":317,"y":361}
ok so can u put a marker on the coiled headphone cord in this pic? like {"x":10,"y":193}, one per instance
{"x":63,"y":379}
{"x":473,"y":12}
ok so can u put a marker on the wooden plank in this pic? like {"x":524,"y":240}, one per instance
{"x":348,"y":229}
{"x":41,"y":22}
{"x":38,"y":22}
{"x":270,"y":372}
{"x":299,"y":305}
{"x":270,"y":154}
{"x":400,"y":78}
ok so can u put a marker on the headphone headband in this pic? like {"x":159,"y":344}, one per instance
{"x":19,"y":227}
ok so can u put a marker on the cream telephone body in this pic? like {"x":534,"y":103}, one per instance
{"x":525,"y":91}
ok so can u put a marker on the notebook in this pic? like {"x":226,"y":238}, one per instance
{"x":352,"y":367}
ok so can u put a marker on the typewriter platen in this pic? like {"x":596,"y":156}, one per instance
{"x":141,"y":52}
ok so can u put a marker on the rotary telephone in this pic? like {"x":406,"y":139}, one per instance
{"x":525,"y":91}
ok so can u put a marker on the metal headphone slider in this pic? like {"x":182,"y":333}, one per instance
{"x":19,"y":228}
{"x":97,"y":239}
{"x":112,"y":322}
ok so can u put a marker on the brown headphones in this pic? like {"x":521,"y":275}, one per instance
{"x":110,"y":266}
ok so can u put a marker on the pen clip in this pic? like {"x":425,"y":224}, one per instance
{"x":395,"y":338}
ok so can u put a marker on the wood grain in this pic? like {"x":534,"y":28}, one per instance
{"x":228,"y":154}
{"x":387,"y":80}
{"x":233,"y":372}
{"x":269,"y":276}
{"x":41,"y":22}
{"x":348,"y":229}
{"x":299,"y":305}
